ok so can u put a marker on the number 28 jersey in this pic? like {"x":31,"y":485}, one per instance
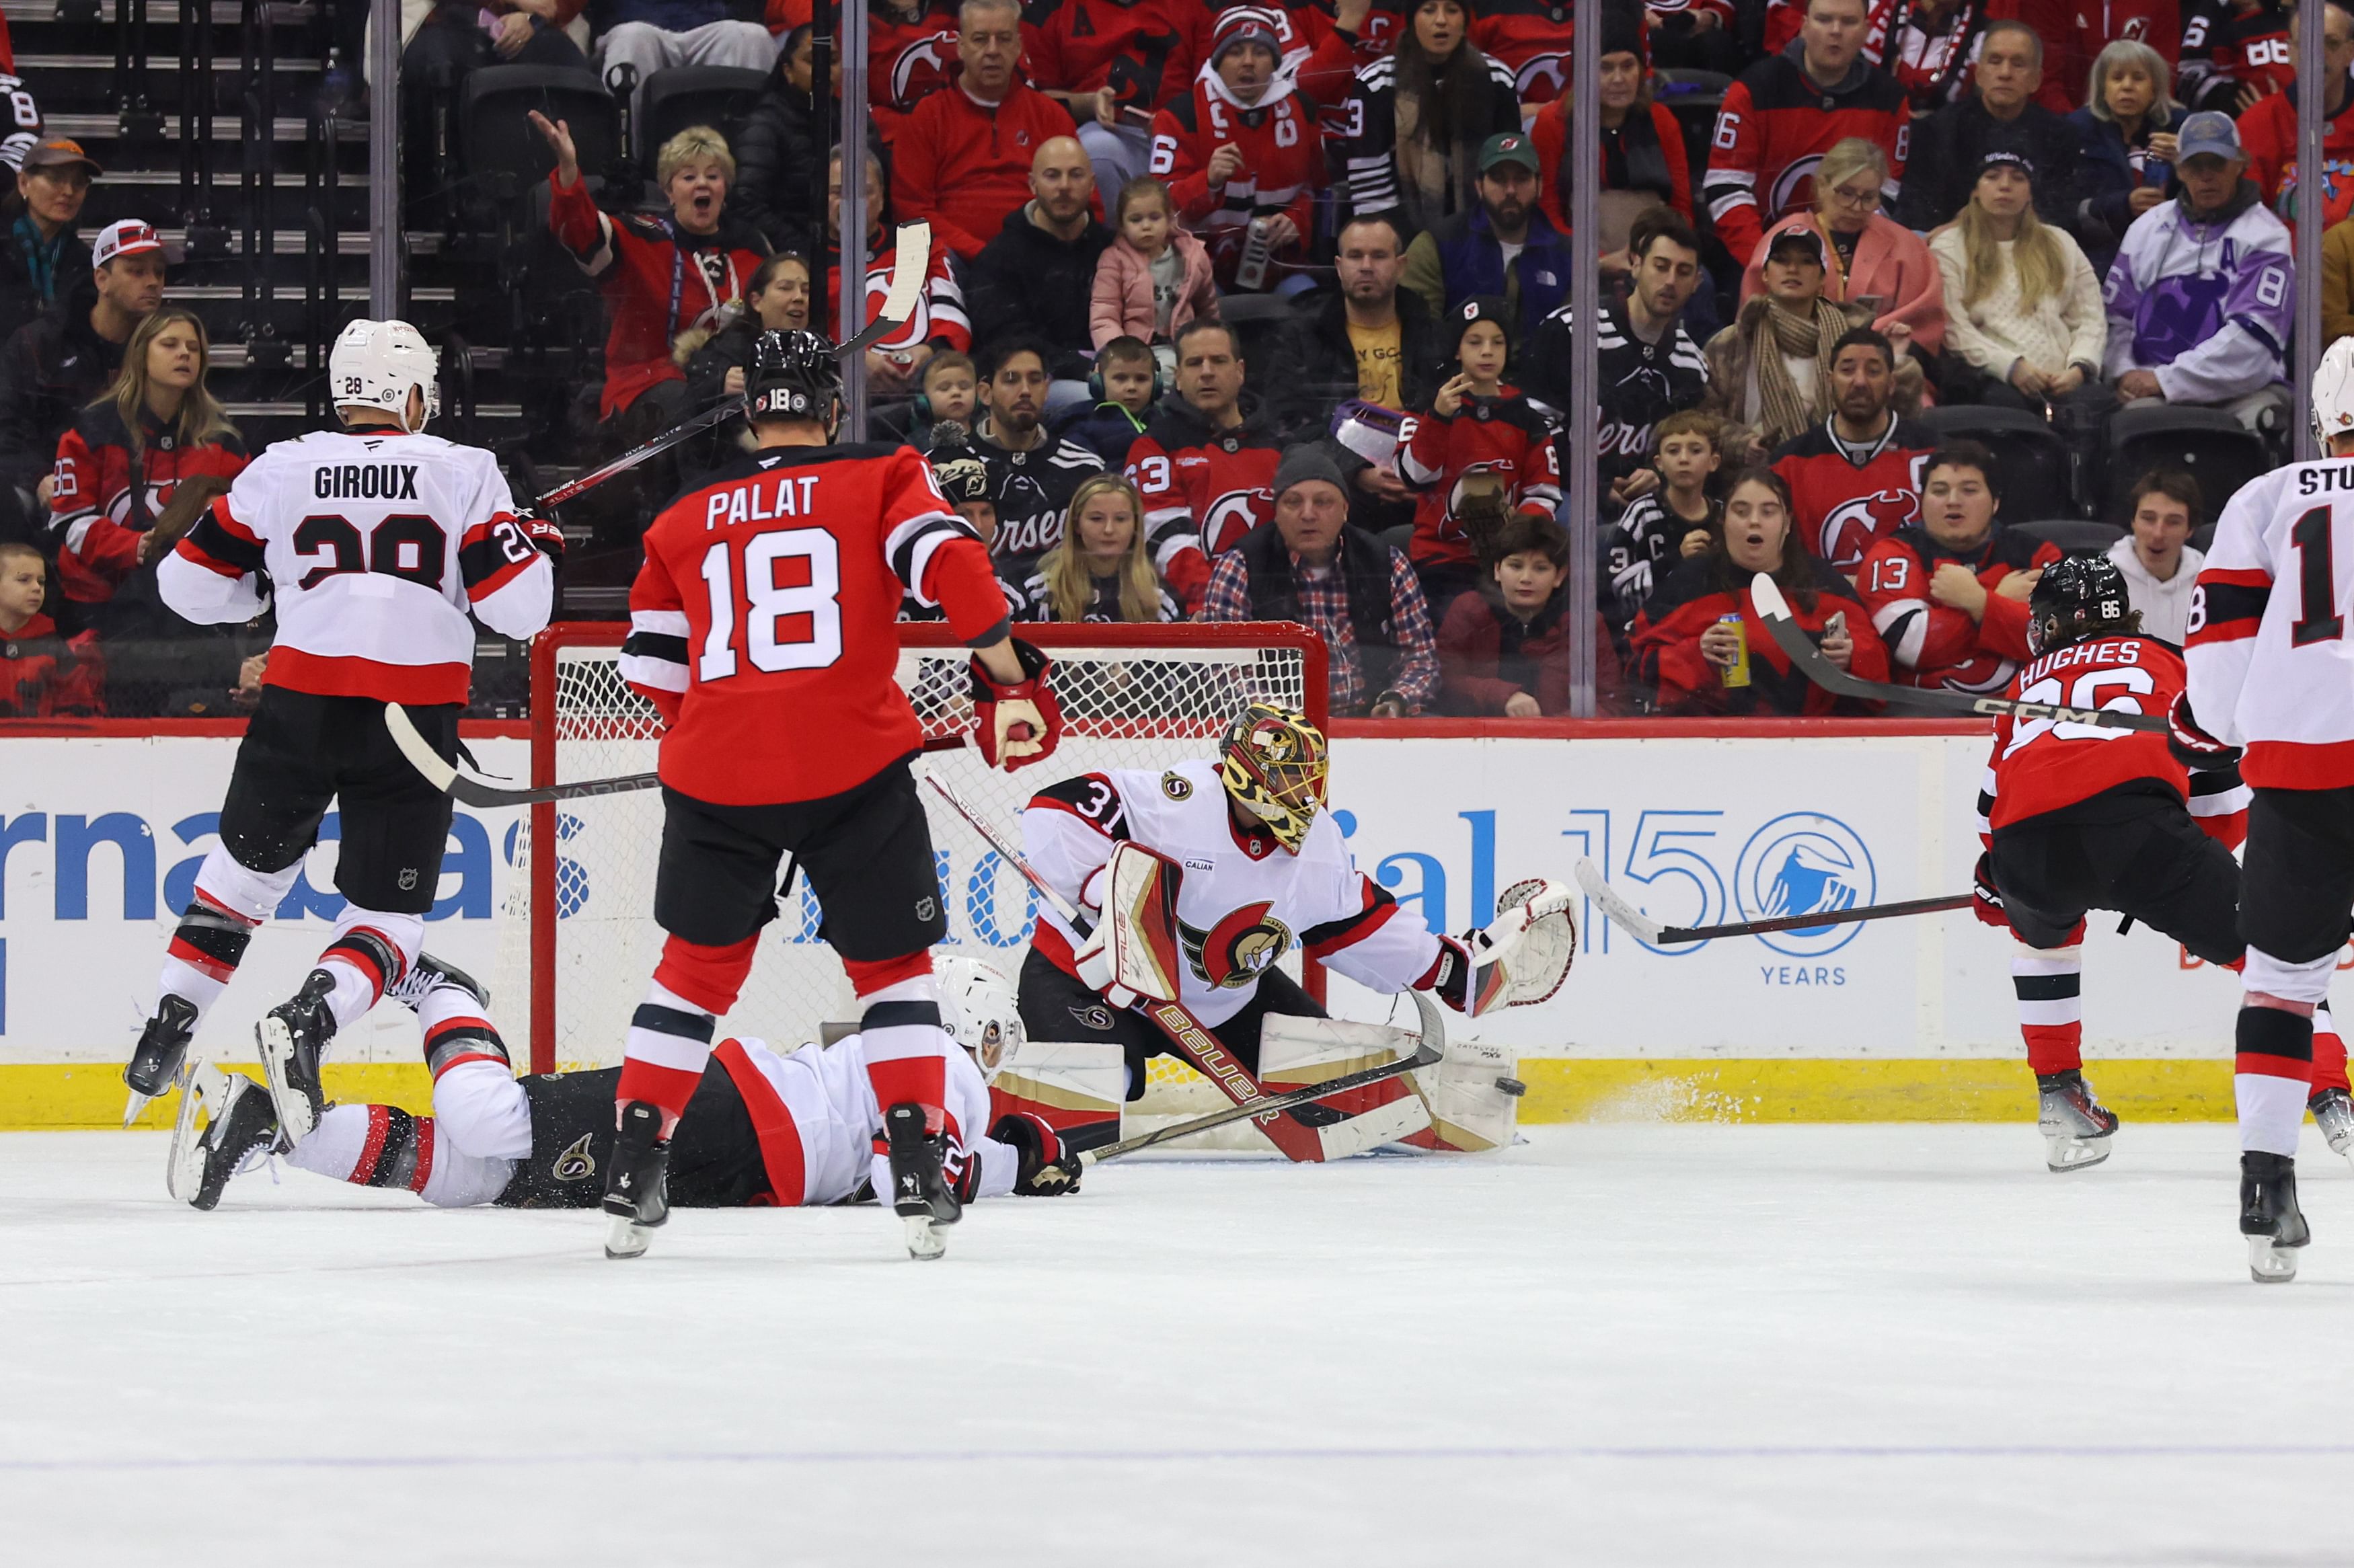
{"x":764,"y":621}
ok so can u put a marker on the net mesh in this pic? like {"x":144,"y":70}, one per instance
{"x":1124,"y":706}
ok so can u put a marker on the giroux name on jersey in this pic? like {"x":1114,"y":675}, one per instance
{"x":759,"y":501}
{"x":365,"y":482}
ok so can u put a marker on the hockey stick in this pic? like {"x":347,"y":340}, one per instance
{"x":1645,"y":929}
{"x":911,"y":263}
{"x":462,"y":783}
{"x":1792,"y":638}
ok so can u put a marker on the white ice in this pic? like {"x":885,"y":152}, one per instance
{"x":1626,"y":1344}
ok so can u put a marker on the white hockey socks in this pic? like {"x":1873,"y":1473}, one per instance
{"x":384,"y":1146}
{"x":230,"y":904}
{"x":369,"y":952}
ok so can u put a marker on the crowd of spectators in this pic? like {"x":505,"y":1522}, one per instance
{"x":1261,"y":312}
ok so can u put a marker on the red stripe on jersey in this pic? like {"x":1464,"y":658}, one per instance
{"x":781,"y":1155}
{"x":203,"y":963}
{"x":379,"y":1129}
{"x":231,"y":527}
{"x":2238,"y":577}
{"x":1055,"y":948}
{"x":472,"y":1056}
{"x":2214,"y":632}
{"x":424,"y":1171}
{"x":1342,"y":940}
{"x":1049,"y":804}
{"x":346,"y":675}
{"x":188,"y":551}
{"x":477,"y":592}
{"x":2254,"y":1065}
{"x":2297,"y":764}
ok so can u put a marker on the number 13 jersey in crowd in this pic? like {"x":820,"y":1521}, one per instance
{"x":764,"y":621}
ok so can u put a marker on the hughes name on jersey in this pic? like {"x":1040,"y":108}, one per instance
{"x":376,"y":545}
{"x":1243,"y":903}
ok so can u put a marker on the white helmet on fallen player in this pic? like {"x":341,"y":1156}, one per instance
{"x":377,"y":365}
{"x":979,"y":1011}
{"x":2333,"y":393}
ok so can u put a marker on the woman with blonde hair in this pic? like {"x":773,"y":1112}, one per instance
{"x":2126,"y":138}
{"x":1100,"y":572}
{"x":1868,"y":257}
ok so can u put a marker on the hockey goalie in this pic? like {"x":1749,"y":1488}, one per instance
{"x":1192,"y":883}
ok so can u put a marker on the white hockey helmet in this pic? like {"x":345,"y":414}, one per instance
{"x":376,"y":365}
{"x":979,"y":1011}
{"x":2333,"y":393}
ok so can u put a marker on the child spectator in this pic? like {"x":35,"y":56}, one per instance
{"x":1699,"y":642}
{"x":41,"y":674}
{"x":1155,"y":277}
{"x":1127,"y":385}
{"x":1100,"y":571}
{"x":2159,"y":566}
{"x":948,"y":393}
{"x":1509,"y":656}
{"x":1673,"y":523}
{"x":1482,"y":450}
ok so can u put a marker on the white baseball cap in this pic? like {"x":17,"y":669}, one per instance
{"x":131,"y":237}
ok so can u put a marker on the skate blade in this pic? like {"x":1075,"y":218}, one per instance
{"x":296,"y":1119}
{"x":133,"y":1107}
{"x":625,"y":1238}
{"x":208,"y":1093}
{"x":2065,"y":1154}
{"x":135,"y":1104}
{"x":924,"y":1242}
{"x":2270,"y":1265}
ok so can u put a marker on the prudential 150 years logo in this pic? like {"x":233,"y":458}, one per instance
{"x":1803,"y":862}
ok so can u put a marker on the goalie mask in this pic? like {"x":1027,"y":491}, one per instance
{"x":2081,"y":597}
{"x":793,"y":375}
{"x":377,"y":365}
{"x":1273,"y":763}
{"x":979,"y":1012}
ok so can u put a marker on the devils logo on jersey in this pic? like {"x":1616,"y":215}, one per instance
{"x":1545,"y":76}
{"x":1233,"y":515}
{"x":920,"y":68}
{"x":1238,"y":949}
{"x":1797,"y":177}
{"x":1851,"y":528}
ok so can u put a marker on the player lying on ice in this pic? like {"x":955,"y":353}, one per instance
{"x":1195,"y":881}
{"x":768,"y":1130}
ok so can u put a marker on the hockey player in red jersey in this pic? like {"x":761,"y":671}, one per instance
{"x":2076,"y":818}
{"x":1855,"y":478}
{"x":1949,"y":596}
{"x":762,"y":626}
{"x":374,"y":544}
{"x":1240,"y":147}
{"x":1204,"y":468}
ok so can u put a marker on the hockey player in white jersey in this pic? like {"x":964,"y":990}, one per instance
{"x":373,"y":543}
{"x":2271,"y":680}
{"x":768,"y":1130}
{"x":1198,"y":879}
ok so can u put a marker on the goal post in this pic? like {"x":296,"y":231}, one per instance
{"x":579,"y":939}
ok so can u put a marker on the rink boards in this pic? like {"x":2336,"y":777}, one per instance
{"x":102,"y":826}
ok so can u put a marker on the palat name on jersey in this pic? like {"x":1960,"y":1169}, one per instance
{"x":762,"y":501}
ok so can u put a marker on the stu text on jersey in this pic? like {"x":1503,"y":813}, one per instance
{"x":2312,"y":480}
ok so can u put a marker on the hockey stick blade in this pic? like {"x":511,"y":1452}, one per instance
{"x":1614,"y":905}
{"x":1645,"y":929}
{"x":464,"y":785}
{"x":1801,"y":651}
{"x":911,"y":264}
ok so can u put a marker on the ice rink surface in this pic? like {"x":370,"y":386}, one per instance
{"x":1621,"y":1344}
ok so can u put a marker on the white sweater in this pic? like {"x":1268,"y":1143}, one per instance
{"x":2165,"y":606}
{"x":2062,"y":329}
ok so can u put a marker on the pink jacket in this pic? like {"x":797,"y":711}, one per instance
{"x":1891,"y":262}
{"x":1123,"y":295}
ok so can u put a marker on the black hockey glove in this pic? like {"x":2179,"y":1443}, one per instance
{"x":1986,"y":898}
{"x":1045,"y":1169}
{"x":2191,"y":743}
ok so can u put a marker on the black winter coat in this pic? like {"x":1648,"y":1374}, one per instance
{"x":1315,"y":368}
{"x":777,"y":154}
{"x":1025,"y":280}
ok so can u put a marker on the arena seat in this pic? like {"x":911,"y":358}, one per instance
{"x":2038,"y":470}
{"x":2074,"y":536}
{"x":681,"y":96}
{"x":504,"y":155}
{"x":2203,"y":538}
{"x":2209,"y":444}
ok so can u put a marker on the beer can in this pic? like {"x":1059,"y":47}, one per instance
{"x":1250,"y":271}
{"x":1737,"y":673}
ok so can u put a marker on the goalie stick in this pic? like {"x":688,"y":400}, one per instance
{"x":1616,"y":906}
{"x":911,"y":260}
{"x":1792,"y":638}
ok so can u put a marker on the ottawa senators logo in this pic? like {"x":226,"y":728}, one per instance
{"x":1231,"y":515}
{"x":576,"y":1163}
{"x":1854,"y":526}
{"x":1237,"y":950}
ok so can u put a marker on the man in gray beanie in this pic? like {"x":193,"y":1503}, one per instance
{"x":1344,"y":584}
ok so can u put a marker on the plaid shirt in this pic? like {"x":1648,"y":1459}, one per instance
{"x":1324,"y":606}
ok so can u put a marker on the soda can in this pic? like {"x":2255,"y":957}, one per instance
{"x":1250,"y":271}
{"x":1737,"y":673}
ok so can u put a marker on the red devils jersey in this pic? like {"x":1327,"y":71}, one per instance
{"x":939,"y":316}
{"x":1202,"y":491}
{"x":2225,"y":42}
{"x":1531,"y":38}
{"x":1502,"y":436}
{"x":1776,"y":126}
{"x":2040,"y":766}
{"x":96,"y":518}
{"x":1283,"y":160}
{"x":1931,"y":645}
{"x":908,"y":61}
{"x":762,"y":621}
{"x":1848,"y":495}
{"x":1143,"y":49}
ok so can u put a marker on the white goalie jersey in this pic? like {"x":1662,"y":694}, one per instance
{"x":1243,"y":903}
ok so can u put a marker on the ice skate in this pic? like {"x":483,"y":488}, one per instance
{"x":292,"y":1038}
{"x":920,"y":1188}
{"x":2269,"y":1218}
{"x":2333,"y":1113}
{"x":637,"y":1183}
{"x":2076,"y":1127}
{"x":155,"y":1064}
{"x":428,"y":973}
{"x":239,"y":1123}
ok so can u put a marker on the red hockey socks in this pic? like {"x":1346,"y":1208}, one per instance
{"x":2329,"y":1052}
{"x":899,"y":1026}
{"x":2272,"y":1072}
{"x":670,"y":1034}
{"x":2050,"y":985}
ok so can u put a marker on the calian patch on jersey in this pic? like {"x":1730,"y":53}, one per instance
{"x":1238,"y":949}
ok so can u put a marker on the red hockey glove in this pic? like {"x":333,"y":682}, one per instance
{"x":1986,"y":898}
{"x":2191,"y":745}
{"x":1045,"y":1169}
{"x":1015,"y":724}
{"x":544,"y":535}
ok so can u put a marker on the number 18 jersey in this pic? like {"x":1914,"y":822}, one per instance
{"x":764,"y":621}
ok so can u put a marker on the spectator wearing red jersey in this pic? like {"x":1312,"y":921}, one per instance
{"x":911,"y":53}
{"x":2000,"y":112}
{"x":2126,"y":138}
{"x":1205,"y":463}
{"x":1155,"y":277}
{"x":962,"y":160}
{"x":1785,"y":112}
{"x":1239,"y":147}
{"x":1642,"y":144}
{"x":2233,"y":53}
{"x":1503,"y":651}
{"x":894,"y":364}
{"x":1700,"y":645}
{"x":1867,"y":256}
{"x":42,"y":674}
{"x":1856,"y":477}
{"x":1530,"y":39}
{"x":1481,"y":452}
{"x":2268,"y":130}
{"x":659,"y":275}
{"x":1950,"y":595}
{"x":1111,"y":63}
{"x":1420,"y":118}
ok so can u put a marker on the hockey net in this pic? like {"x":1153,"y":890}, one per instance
{"x":580,"y":941}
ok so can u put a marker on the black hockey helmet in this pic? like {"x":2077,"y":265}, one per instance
{"x":794,"y":375}
{"x":2076,"y":597}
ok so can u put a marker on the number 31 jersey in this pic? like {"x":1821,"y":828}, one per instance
{"x":376,"y":544}
{"x":764,"y":623}
{"x":2271,"y":668}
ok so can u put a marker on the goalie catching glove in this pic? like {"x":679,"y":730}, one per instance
{"x":1015,"y":724}
{"x":1518,"y":961}
{"x":1046,"y":1168}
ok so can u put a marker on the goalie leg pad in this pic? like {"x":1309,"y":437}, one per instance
{"x":1133,"y":953}
{"x":1296,"y":1053}
{"x":1471,"y":1109}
